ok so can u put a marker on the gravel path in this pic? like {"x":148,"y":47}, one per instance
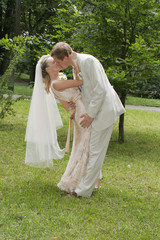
{"x":143,"y":108}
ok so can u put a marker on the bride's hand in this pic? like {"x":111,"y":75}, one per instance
{"x":77,"y":72}
{"x":72,"y":114}
{"x":76,"y":68}
{"x":73,"y":55}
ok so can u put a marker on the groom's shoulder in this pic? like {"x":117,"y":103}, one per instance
{"x":87,"y":57}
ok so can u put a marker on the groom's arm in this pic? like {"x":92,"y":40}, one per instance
{"x":96,"y":76}
{"x":98,"y":86}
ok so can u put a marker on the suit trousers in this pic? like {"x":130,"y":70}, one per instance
{"x":98,"y":146}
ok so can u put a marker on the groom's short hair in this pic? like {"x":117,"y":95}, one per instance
{"x":60,"y":50}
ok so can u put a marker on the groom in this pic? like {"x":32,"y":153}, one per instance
{"x":102,"y":106}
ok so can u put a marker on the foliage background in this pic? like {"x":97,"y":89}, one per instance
{"x":123,"y":35}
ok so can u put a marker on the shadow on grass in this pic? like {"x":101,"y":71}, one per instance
{"x":12,"y":127}
{"x":7,"y":127}
{"x":136,"y":143}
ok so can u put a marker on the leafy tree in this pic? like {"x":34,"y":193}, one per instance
{"x":26,"y":18}
{"x":30,"y":20}
{"x":109,"y":30}
{"x":17,"y":47}
{"x":144,"y":65}
{"x":7,"y":27}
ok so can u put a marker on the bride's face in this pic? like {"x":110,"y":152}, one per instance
{"x":53,"y":66}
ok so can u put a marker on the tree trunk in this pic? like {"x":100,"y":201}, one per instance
{"x":6,"y":27}
{"x":12,"y":76}
{"x":121,"y":120}
{"x":1,"y":26}
{"x":17,"y":17}
{"x":9,"y":19}
{"x":11,"y":81}
{"x":32,"y":74}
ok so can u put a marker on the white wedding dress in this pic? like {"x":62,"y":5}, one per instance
{"x":78,"y":160}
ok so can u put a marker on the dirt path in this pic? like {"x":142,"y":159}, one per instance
{"x":143,"y":108}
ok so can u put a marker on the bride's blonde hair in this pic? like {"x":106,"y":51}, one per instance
{"x":45,"y":76}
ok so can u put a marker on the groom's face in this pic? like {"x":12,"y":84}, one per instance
{"x":62,"y":63}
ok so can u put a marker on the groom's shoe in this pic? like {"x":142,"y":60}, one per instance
{"x":70,"y":194}
{"x":74,"y":194}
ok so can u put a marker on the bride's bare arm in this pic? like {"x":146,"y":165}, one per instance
{"x":61,"y":85}
{"x":64,"y":104}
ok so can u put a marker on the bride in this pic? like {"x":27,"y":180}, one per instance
{"x":44,"y":119}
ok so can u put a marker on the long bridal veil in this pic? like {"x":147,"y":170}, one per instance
{"x":43,"y":121}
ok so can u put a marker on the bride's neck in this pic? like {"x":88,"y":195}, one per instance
{"x":54,"y":76}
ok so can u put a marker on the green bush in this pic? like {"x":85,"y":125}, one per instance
{"x":149,"y":89}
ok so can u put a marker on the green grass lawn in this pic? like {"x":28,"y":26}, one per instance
{"x":137,"y":101}
{"x":22,"y":90}
{"x":127,"y":207}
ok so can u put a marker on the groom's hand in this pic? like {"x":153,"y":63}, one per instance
{"x":87,"y":120}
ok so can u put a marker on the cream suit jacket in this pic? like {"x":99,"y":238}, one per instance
{"x":100,"y":99}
